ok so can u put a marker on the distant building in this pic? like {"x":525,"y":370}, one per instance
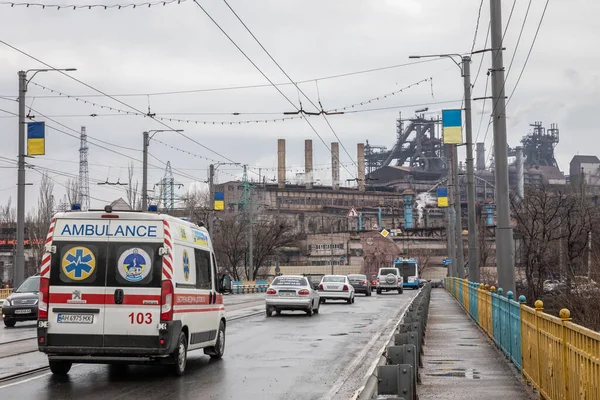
{"x":591,"y":170}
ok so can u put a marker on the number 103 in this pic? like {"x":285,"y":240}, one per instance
{"x":140,"y":318}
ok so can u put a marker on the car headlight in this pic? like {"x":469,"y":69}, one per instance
{"x":6,"y":303}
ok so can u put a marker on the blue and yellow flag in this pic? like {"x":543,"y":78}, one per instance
{"x":442,"y":197}
{"x":452,"y":126}
{"x":219,"y":201}
{"x":36,"y":139}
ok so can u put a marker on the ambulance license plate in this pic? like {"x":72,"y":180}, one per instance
{"x":75,"y":318}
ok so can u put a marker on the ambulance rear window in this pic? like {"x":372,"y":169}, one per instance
{"x":134,"y":264}
{"x":78,"y":264}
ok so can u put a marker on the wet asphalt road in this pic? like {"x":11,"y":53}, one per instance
{"x":291,"y":356}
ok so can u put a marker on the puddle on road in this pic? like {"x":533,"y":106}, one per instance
{"x":467,"y":344}
{"x":439,"y":362}
{"x":469,"y":373}
{"x":339,"y":334}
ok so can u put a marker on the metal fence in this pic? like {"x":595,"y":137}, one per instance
{"x":4,"y":293}
{"x":560,"y":359}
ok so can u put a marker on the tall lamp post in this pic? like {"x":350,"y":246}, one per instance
{"x":465,"y":69}
{"x":19,"y":270}
{"x":147,"y":137}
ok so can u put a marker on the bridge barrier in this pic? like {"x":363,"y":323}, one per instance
{"x":240,"y":287}
{"x":560,"y":359}
{"x":397,"y":372}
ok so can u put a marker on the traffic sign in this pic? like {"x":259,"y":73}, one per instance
{"x":384,"y":233}
{"x":447,"y":261}
{"x":352,"y":213}
{"x":375,"y":226}
{"x":341,"y":258}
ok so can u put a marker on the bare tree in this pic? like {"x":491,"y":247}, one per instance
{"x":196,"y":205}
{"x":39,"y":222}
{"x":134,"y":197}
{"x":73,"y":195}
{"x":229,"y":243}
{"x":269,"y":236}
{"x":538,"y":223}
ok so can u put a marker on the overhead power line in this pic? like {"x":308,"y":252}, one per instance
{"x":264,"y":75}
{"x":291,"y":80}
{"x":147,"y":4}
{"x":111,"y":97}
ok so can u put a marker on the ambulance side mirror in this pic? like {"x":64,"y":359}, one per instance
{"x":224,"y":284}
{"x":163,"y":251}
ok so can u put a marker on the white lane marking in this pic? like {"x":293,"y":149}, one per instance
{"x":393,"y":321}
{"x":25,"y":381}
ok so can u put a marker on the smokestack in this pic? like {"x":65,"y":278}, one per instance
{"x":335,"y":165}
{"x":480,"y":150}
{"x":520,"y":172}
{"x":360,"y":156}
{"x":281,"y":163}
{"x":308,"y":163}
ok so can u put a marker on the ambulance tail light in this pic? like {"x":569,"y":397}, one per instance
{"x":166,"y":302}
{"x":44,"y":298}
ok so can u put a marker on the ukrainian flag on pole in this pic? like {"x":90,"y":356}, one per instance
{"x":219,"y":204}
{"x":452,"y":126}
{"x":36,"y":139}
{"x":442,"y":197}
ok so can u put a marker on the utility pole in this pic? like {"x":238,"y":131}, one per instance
{"x":211,"y":199}
{"x":472,"y":222}
{"x":450,"y":231}
{"x":460,"y":261}
{"x":146,"y":139}
{"x":145,"y":172}
{"x":19,"y":268}
{"x":331,"y":246}
{"x":504,"y":244}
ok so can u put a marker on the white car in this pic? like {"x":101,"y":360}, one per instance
{"x":291,"y":292}
{"x":336,"y":287}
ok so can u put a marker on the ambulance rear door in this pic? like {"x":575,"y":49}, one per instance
{"x":77,"y":278}
{"x":133,"y":284}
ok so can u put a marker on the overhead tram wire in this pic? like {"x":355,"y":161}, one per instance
{"x":477,"y":26}
{"x":114,"y":99}
{"x":218,"y":89}
{"x":266,"y":77}
{"x":147,"y":4}
{"x":291,"y":80}
{"x":526,"y":60}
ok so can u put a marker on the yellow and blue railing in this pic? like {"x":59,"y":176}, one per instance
{"x":560,"y":359}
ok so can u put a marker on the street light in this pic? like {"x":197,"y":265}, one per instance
{"x":19,"y":270}
{"x":146,"y":139}
{"x":465,"y":70}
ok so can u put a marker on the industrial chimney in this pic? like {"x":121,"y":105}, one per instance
{"x":360,"y":157}
{"x":281,"y":163}
{"x":308,"y":163}
{"x":335,"y":166}
{"x":480,"y":150}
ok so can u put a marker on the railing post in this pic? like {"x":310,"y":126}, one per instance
{"x":565,"y":316}
{"x":509,"y":296}
{"x":522,"y":301}
{"x":539,"y":308}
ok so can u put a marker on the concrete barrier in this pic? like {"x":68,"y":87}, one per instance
{"x":397,"y":371}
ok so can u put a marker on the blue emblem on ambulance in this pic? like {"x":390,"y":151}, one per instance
{"x":134,"y":264}
{"x":186,"y":265}
{"x":78,"y":263}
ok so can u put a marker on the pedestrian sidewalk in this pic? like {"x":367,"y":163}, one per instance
{"x":460,"y":362}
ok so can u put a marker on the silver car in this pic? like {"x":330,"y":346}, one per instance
{"x":291,"y":292}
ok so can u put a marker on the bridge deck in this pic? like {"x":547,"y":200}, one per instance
{"x":460,"y":362}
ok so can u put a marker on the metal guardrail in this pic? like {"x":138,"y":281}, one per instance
{"x":397,"y":370}
{"x":4,"y":293}
{"x":560,"y":359}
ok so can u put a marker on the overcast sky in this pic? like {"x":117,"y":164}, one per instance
{"x":178,"y":48}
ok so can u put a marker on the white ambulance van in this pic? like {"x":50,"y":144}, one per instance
{"x":128,"y":287}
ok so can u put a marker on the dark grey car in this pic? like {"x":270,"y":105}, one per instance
{"x":360,"y":283}
{"x":22,"y":304}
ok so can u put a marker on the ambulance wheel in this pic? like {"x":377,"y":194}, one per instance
{"x":218,"y":349}
{"x":180,"y":355}
{"x":60,"y":367}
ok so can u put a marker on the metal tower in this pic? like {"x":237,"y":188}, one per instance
{"x":84,"y":173}
{"x":168,"y":189}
